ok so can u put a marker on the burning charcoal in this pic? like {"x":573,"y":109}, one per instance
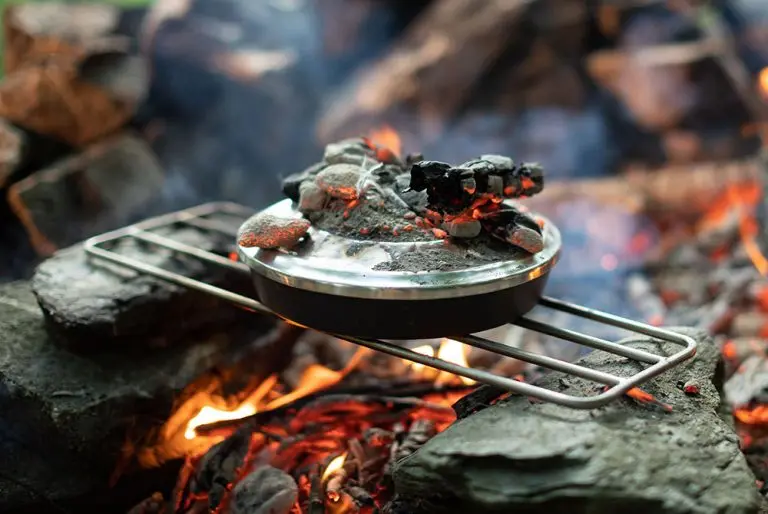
{"x":339,"y":180}
{"x":218,"y":467}
{"x":691,"y":387}
{"x":270,"y":232}
{"x":266,"y":490}
{"x":311,"y":197}
{"x":421,"y":431}
{"x":516,"y":228}
{"x":518,"y":451}
{"x":454,"y":189}
{"x":465,"y":229}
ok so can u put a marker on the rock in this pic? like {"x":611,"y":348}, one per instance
{"x":93,"y":306}
{"x":266,"y":490}
{"x":533,"y":457}
{"x":339,"y":180}
{"x":311,"y":197}
{"x":68,"y":415}
{"x":267,"y":231}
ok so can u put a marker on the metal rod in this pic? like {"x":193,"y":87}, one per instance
{"x":196,"y":217}
{"x":540,"y":360}
{"x":587,"y":340}
{"x":615,"y":321}
{"x":177,"y":279}
{"x":186,"y":249}
{"x":212,"y":225}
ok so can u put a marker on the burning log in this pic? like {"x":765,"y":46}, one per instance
{"x":517,"y":449}
{"x":107,"y":186}
{"x":658,"y":191}
{"x":421,"y":71}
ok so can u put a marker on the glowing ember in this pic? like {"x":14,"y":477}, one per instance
{"x":210,"y":414}
{"x":643,"y":397}
{"x":335,"y":465}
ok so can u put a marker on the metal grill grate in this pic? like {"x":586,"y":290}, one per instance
{"x":203,"y":218}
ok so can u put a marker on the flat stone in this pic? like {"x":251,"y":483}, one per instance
{"x":66,"y":416}
{"x":266,"y":231}
{"x":94,"y":306}
{"x":534,"y":457}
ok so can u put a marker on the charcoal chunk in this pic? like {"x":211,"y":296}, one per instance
{"x":93,"y":306}
{"x":534,"y":457}
{"x":266,"y":490}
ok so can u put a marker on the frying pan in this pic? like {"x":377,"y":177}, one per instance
{"x":327,"y":283}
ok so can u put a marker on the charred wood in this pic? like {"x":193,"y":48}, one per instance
{"x":658,"y":191}
{"x":155,"y":504}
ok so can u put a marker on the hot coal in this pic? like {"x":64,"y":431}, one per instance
{"x":365,"y":192}
{"x":93,"y":306}
{"x":524,"y":456}
{"x":69,"y":415}
{"x":453,"y":190}
{"x":267,"y":231}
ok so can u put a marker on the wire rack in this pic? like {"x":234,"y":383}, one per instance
{"x":207,"y":218}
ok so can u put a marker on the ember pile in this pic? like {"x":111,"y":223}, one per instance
{"x":364,"y":190}
{"x":310,"y":438}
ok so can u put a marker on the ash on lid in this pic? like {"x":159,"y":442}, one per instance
{"x":366,"y":192}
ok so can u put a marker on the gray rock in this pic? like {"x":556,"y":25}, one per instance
{"x":267,"y":231}
{"x":266,"y":490}
{"x":533,"y":457}
{"x":66,"y":417}
{"x":93,"y":306}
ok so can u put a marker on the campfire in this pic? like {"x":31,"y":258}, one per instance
{"x":155,"y":159}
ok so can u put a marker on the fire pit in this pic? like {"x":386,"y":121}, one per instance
{"x":324,"y":354}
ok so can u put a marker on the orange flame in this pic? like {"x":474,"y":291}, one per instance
{"x":762,"y":80}
{"x":450,"y":351}
{"x":755,"y":416}
{"x":336,"y":464}
{"x":385,"y":138}
{"x":745,"y":200}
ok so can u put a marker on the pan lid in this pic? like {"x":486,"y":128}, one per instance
{"x":333,"y":264}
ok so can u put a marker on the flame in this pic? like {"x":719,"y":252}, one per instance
{"x":387,"y":137}
{"x":336,"y":464}
{"x":754,"y":416}
{"x":456,"y":353}
{"x":748,"y":227}
{"x":210,"y":414}
{"x":762,"y":81}
{"x":424,"y":350}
